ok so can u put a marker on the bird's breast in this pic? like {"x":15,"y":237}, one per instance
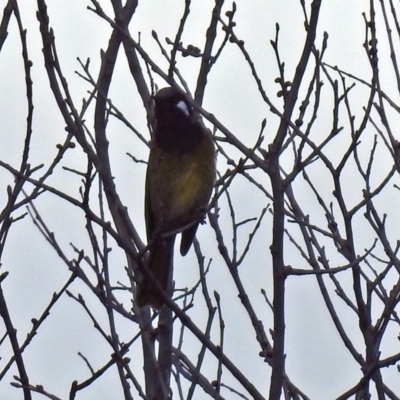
{"x":180,"y":184}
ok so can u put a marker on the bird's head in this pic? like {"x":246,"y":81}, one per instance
{"x":171,"y":103}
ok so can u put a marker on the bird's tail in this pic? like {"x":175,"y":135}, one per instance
{"x":160,"y":266}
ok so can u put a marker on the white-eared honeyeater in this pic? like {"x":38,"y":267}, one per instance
{"x":179,"y":181}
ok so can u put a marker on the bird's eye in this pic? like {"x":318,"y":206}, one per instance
{"x":183,"y":106}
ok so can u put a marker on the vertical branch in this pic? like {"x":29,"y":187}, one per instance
{"x":291,"y":99}
{"x":278,"y":266}
{"x":165,"y":331}
{"x":12,"y":334}
{"x":8,"y":9}
{"x":278,"y":189}
{"x":206,"y":61}
{"x":132,"y":57}
{"x":5,"y":216}
{"x":152,"y":375}
{"x":13,"y":194}
{"x":178,"y":36}
{"x":108,"y":303}
{"x":29,"y":92}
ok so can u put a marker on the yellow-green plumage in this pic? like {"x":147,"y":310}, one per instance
{"x":179,"y":181}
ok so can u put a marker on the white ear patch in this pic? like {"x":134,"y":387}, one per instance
{"x":182,"y":106}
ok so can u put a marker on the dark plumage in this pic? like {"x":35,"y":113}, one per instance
{"x":179,"y":182}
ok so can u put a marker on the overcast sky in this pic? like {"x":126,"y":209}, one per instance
{"x":317,"y":361}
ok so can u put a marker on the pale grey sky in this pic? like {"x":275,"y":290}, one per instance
{"x":317,"y":361}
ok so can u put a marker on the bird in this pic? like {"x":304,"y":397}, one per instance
{"x":180,"y":177}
